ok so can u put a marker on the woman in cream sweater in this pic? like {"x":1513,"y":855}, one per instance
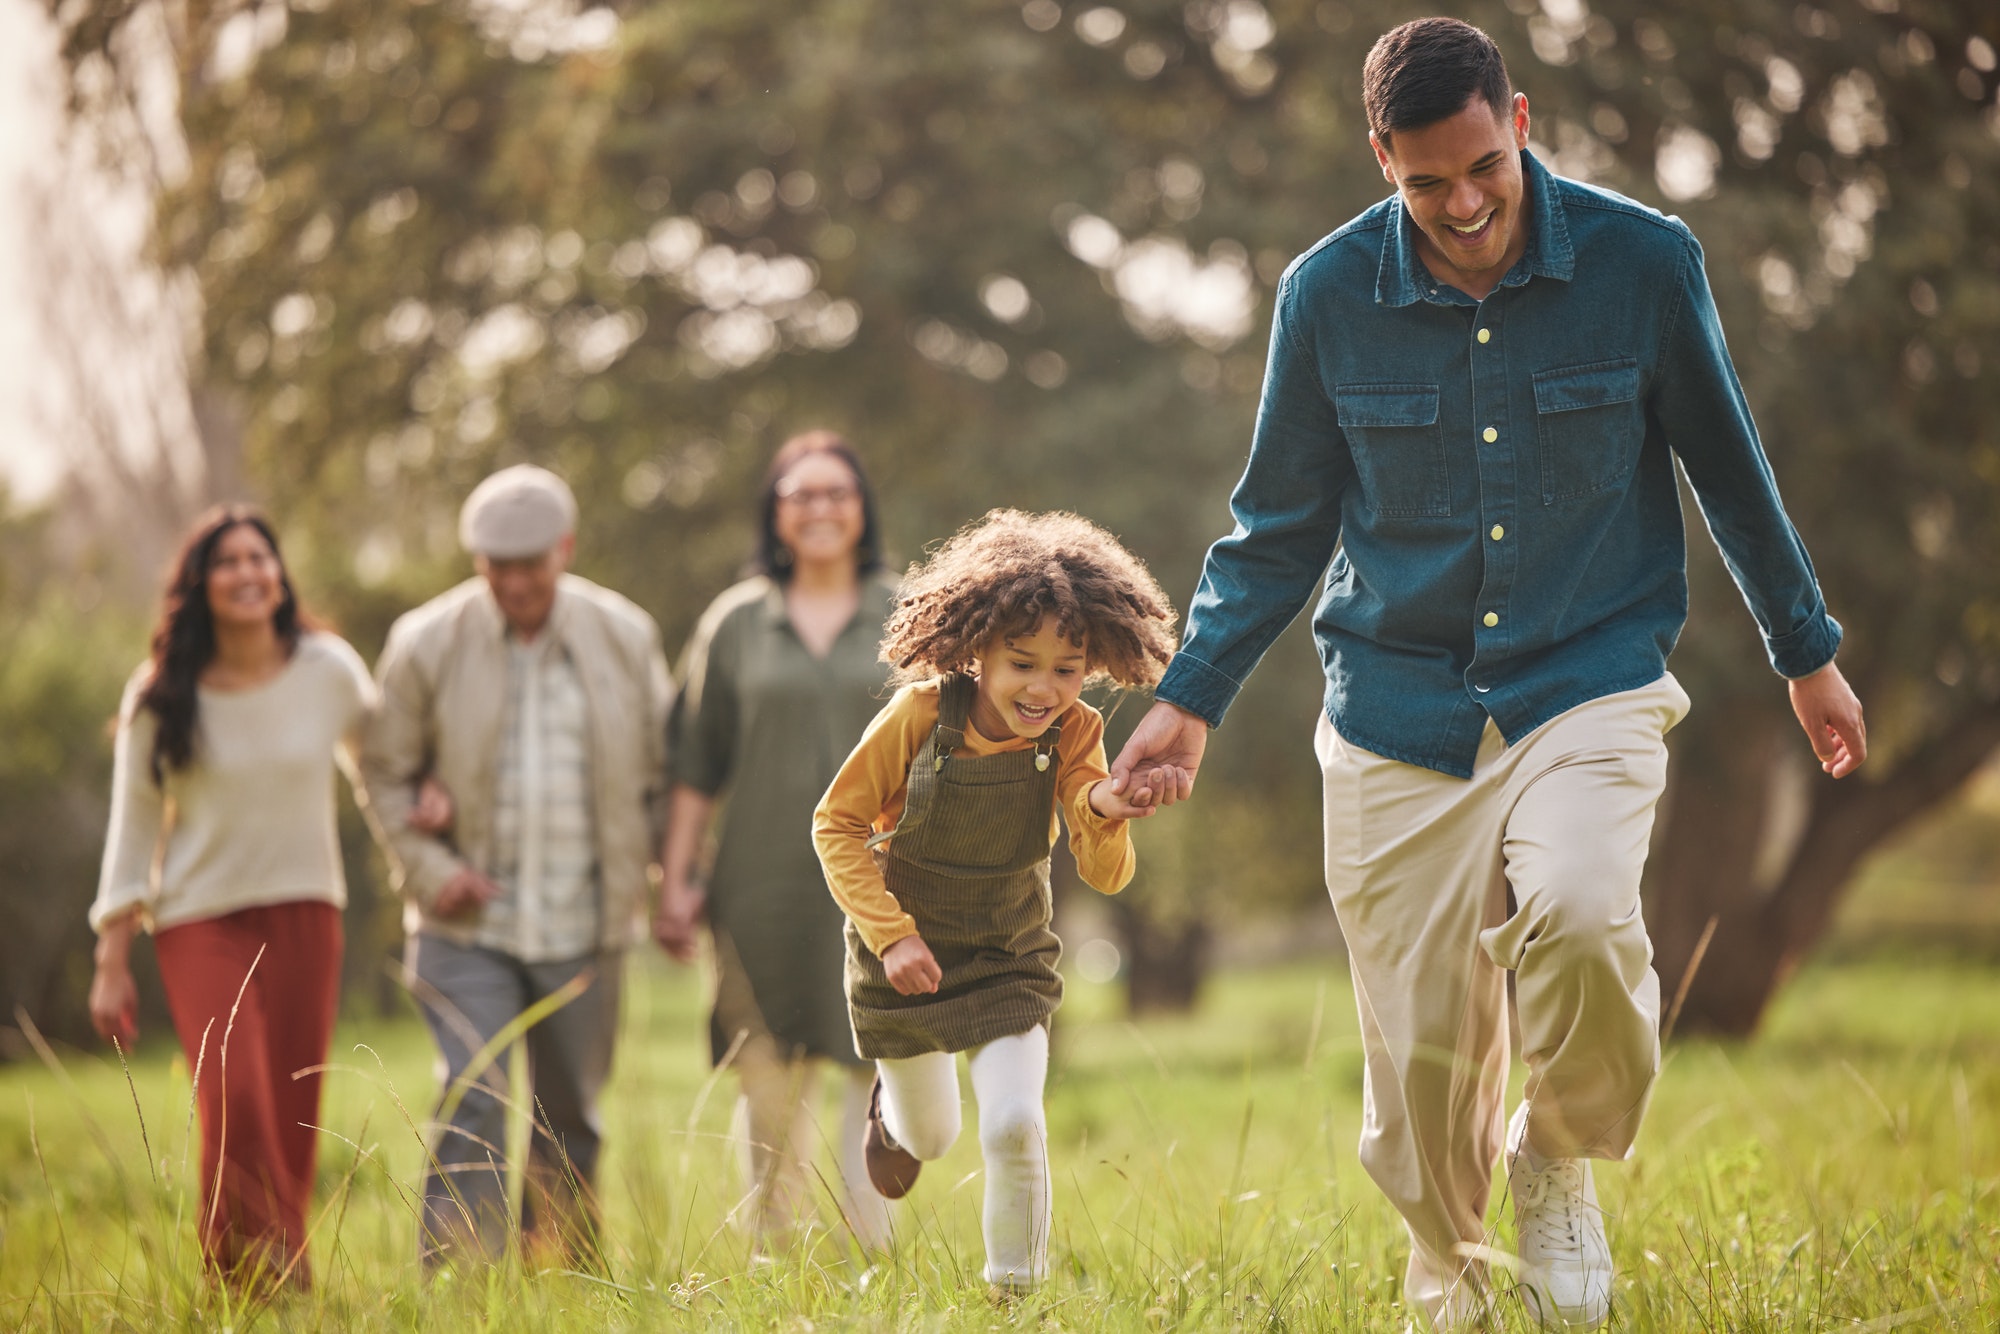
{"x":223,"y":844}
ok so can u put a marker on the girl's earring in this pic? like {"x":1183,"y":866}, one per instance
{"x":782,"y":558}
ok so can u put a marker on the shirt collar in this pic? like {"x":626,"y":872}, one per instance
{"x":552,"y":631}
{"x":878,"y":586}
{"x":1403,"y":280}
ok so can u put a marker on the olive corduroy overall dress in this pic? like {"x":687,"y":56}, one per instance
{"x":969,"y":860}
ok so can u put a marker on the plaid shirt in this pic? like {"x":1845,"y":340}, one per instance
{"x":544,"y":859}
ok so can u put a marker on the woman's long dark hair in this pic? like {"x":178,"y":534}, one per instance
{"x":184,"y":640}
{"x":772,"y":557}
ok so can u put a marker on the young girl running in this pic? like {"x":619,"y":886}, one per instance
{"x":935,"y":837}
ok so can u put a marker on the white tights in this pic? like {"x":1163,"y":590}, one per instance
{"x":920,"y":1106}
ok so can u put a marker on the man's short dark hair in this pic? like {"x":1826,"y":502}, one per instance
{"x":1426,"y":71}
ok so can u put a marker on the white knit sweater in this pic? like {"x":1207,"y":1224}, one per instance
{"x":251,"y":819}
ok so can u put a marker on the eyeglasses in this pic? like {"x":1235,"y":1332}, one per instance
{"x":804,"y":497}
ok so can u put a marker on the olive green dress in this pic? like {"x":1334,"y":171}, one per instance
{"x":969,"y":860}
{"x":763,"y":725}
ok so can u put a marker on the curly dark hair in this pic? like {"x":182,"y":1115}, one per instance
{"x":1004,"y":574}
{"x":184,"y":639}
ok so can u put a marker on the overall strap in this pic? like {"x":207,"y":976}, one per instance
{"x":955,"y":695}
{"x":954,"y":704}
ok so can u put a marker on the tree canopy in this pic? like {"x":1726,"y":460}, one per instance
{"x":1023,"y":254}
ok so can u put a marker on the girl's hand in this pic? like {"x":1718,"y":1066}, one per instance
{"x":1113,"y":806}
{"x":912,"y":968}
{"x":433,"y":812}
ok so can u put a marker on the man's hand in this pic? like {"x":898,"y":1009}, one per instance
{"x":912,"y":968}
{"x":1830,"y":713}
{"x":466,"y":891}
{"x":1157,"y":766}
{"x":676,"y":923}
{"x":432,"y":814}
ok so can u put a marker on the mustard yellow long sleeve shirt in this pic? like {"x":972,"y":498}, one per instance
{"x":867,"y":798}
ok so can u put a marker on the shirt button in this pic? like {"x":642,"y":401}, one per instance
{"x":1498,"y":532}
{"x":1492,"y":619}
{"x":1485,"y":335}
{"x":1482,"y":687}
{"x":1489,"y":435}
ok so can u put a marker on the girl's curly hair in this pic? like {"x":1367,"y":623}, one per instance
{"x":1005,"y":573}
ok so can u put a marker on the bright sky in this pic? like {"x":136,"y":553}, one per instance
{"x":29,"y":461}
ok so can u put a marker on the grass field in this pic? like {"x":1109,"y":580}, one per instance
{"x":1843,"y":1172}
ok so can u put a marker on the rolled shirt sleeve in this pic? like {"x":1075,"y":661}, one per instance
{"x":138,"y":814}
{"x":867,"y":795}
{"x":702,"y":730}
{"x":395,"y":755}
{"x":361,"y":700}
{"x":1287,"y":512}
{"x":660,"y":698}
{"x":1701,"y":407}
{"x":1102,"y":847}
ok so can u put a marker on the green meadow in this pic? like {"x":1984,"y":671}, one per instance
{"x":1842,"y":1172}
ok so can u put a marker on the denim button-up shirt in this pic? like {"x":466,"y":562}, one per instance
{"x":1493,"y":482}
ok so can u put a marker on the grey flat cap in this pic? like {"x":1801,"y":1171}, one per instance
{"x":518,"y":511}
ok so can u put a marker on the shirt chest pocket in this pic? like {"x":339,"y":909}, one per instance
{"x":1589,"y":425}
{"x":1398,"y":447}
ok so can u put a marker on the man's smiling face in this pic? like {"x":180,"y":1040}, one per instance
{"x":1460,"y":179}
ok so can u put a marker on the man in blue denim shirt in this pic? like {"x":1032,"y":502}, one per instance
{"x":1475,"y":395}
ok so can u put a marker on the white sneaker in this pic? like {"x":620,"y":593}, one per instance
{"x":1565,"y":1259}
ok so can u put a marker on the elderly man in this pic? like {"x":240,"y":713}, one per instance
{"x":1476,"y":395}
{"x":518,"y":768}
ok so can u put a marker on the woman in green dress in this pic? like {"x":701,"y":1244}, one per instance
{"x":778,"y":683}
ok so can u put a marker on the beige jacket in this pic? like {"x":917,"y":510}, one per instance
{"x":443,"y":678}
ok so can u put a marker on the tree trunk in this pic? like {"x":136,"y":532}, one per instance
{"x":1165,"y":960}
{"x":1718,"y":839}
{"x":1711,"y":824}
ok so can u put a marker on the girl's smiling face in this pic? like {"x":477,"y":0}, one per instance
{"x":1026,"y":681}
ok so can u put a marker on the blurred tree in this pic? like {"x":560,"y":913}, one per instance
{"x":1022,"y":254}
{"x":1842,"y":167}
{"x":67,"y":657}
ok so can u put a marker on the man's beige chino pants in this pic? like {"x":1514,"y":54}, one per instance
{"x":1441,"y":884}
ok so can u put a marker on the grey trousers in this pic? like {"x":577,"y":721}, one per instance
{"x":468,"y":994}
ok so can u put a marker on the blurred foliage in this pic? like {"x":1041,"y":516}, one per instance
{"x":1006,"y":248}
{"x":65,"y":664}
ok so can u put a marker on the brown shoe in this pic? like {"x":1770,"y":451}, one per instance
{"x":892,"y":1169}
